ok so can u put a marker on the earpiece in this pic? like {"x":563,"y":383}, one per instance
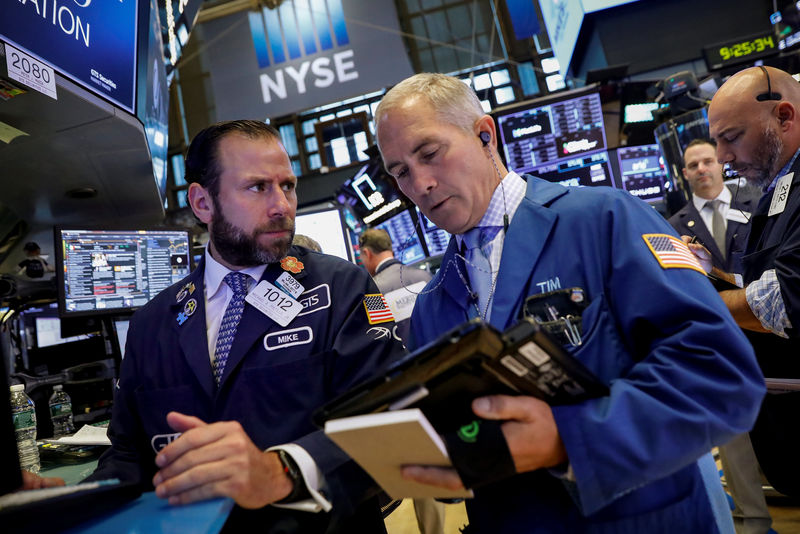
{"x":769,"y":95}
{"x":485,"y":138}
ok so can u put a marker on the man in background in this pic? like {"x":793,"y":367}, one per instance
{"x":399,"y":284}
{"x":34,"y":265}
{"x":719,"y":218}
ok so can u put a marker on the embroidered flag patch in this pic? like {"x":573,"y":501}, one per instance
{"x":671,"y":252}
{"x":377,"y":309}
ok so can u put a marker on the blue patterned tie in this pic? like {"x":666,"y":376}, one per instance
{"x":230,"y":321}
{"x":478,"y":266}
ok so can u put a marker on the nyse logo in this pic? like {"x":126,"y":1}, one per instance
{"x":298,"y":29}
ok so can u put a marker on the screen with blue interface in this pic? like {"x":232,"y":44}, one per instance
{"x":435,"y":238}
{"x":561,"y":139}
{"x":405,"y":243}
{"x":642,"y":172}
{"x":106,"y":271}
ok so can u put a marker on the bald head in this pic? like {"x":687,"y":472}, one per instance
{"x":756,"y":137}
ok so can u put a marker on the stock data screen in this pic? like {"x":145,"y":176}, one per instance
{"x":104,"y":271}
{"x":642,"y":172}
{"x":435,"y":238}
{"x":588,"y":170}
{"x":405,"y":243}
{"x":547,"y":138}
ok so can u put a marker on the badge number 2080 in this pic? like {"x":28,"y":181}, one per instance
{"x":274,"y":303}
{"x":30,"y":71}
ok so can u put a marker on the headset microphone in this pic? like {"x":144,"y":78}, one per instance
{"x":763,"y":97}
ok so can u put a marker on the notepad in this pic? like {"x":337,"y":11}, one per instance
{"x":381,"y":443}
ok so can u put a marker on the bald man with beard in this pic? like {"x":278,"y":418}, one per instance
{"x":755,"y":122}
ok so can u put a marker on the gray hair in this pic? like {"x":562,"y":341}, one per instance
{"x":454,"y":101}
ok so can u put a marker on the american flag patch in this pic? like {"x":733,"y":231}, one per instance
{"x":671,"y":252}
{"x":377,"y":309}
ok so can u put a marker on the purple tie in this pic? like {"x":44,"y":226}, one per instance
{"x":230,"y":321}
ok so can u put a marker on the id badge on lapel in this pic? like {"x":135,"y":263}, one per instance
{"x":559,"y":313}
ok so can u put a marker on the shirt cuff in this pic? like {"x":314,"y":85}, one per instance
{"x":738,"y":280}
{"x":766,"y":302}
{"x":312,"y":477}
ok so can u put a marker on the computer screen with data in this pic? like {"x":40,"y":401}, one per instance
{"x":641,"y":171}
{"x":110,"y":271}
{"x":435,"y":238}
{"x":405,"y":240}
{"x":560,"y":138}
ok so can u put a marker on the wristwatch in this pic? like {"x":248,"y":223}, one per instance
{"x":299,"y":489}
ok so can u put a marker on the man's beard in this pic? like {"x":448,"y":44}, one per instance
{"x":243,"y":250}
{"x":765,"y":159}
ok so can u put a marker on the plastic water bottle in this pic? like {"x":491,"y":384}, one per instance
{"x":61,"y":412}
{"x":24,"y":413}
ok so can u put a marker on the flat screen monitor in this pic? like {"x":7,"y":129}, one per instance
{"x":48,"y":332}
{"x":642,"y":172}
{"x":93,"y":43}
{"x":326,"y":226}
{"x":435,"y":238}
{"x":372,"y":194}
{"x":117,"y":271}
{"x":786,"y":24}
{"x":589,"y":170}
{"x":560,"y":138}
{"x":405,"y":240}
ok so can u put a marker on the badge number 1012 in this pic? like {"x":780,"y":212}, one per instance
{"x":274,"y":303}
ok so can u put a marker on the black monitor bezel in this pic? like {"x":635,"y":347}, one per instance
{"x":59,"y":265}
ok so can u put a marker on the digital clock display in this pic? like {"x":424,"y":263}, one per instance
{"x":741,"y":50}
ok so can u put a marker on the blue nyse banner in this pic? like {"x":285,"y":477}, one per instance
{"x":304,"y":53}
{"x":91,"y":41}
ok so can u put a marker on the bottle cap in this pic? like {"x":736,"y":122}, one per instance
{"x":18,"y":387}
{"x":58,"y":387}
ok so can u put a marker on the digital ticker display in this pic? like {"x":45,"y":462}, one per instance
{"x":642,"y":173}
{"x":561,"y":141}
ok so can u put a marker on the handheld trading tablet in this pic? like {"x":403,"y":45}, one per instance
{"x":474,"y":359}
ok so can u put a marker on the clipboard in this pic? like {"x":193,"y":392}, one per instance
{"x":472,"y":360}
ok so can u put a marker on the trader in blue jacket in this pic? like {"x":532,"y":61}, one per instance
{"x":213,"y":403}
{"x":682,"y":377}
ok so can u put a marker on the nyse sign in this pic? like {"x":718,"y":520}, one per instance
{"x":323,"y":74}
{"x":303,"y":54}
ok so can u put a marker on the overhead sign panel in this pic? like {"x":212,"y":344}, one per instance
{"x":93,"y":42}
{"x":303,"y":54}
{"x":563,"y":19}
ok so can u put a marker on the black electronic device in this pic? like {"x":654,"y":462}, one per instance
{"x":560,"y":137}
{"x":102,"y":271}
{"x":474,"y":359}
{"x":743,"y":50}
